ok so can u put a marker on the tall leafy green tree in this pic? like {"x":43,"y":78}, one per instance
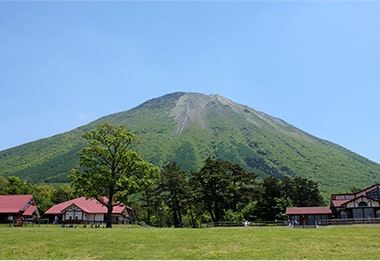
{"x":279,"y":194}
{"x":109,"y":167}
{"x":305,"y":193}
{"x":243,"y":187}
{"x":272,"y":188}
{"x":221,"y":186}
{"x":211,"y":184}
{"x":267,"y":207}
{"x":151,"y":203}
{"x":174,"y":191}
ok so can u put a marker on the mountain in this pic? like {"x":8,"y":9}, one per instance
{"x":189,"y":127}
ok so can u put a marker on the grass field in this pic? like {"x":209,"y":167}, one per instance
{"x":133,"y":242}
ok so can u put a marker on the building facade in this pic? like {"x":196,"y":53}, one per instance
{"x":89,"y":211}
{"x":364,"y":204}
{"x":309,"y":216}
{"x":352,"y":208}
{"x":17,"y":208}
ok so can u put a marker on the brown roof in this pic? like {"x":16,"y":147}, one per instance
{"x":308,"y":211}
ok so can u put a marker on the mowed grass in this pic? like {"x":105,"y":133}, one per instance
{"x":133,"y":242}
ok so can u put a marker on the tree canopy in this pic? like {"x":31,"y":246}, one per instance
{"x":111,"y":168}
{"x":223,"y":191}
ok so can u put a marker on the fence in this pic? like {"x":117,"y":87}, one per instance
{"x":248,"y":223}
{"x":325,"y":222}
{"x":349,"y":221}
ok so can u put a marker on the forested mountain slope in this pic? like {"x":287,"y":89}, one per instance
{"x":188,"y":127}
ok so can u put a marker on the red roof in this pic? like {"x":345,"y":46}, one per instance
{"x":339,"y":203}
{"x":88,"y":205}
{"x":14,"y":203}
{"x":309,"y":211}
{"x":30,"y":211}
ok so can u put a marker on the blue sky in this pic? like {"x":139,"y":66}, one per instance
{"x":314,"y":64}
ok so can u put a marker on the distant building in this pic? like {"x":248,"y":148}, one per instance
{"x":89,"y":211}
{"x":308,"y":215}
{"x":15,"y":207}
{"x":360,"y":207}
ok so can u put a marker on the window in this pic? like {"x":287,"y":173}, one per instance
{"x":363,"y":204}
{"x":369,"y":213}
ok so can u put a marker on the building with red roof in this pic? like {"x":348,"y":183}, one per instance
{"x":308,"y":215}
{"x":89,"y":211}
{"x":362,"y":205}
{"x":359,"y":207}
{"x":13,"y":207}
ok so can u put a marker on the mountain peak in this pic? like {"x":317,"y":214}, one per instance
{"x":197,"y":108}
{"x":188,"y":127}
{"x":190,"y":107}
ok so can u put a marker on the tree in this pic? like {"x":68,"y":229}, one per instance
{"x":174,"y":191}
{"x":243,"y":186}
{"x":305,"y":193}
{"x":43,"y":195}
{"x":211,"y":184}
{"x":150,"y":204}
{"x":109,"y":167}
{"x":267,"y":208}
{"x":277,"y":195}
{"x":17,"y":186}
{"x":271,"y":188}
{"x":4,"y":183}
{"x":221,"y":186}
{"x":63,"y":193}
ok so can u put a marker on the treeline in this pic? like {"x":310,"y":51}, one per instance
{"x":219,"y":191}
{"x":222,"y":191}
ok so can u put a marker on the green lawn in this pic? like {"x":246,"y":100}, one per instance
{"x":132,"y":242}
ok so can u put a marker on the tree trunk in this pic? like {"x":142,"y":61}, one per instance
{"x":109,"y":212}
{"x":109,"y":216}
{"x":191,"y":213}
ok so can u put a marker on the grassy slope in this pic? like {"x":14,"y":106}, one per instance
{"x":53,"y":242}
{"x":187,"y":128}
{"x":48,"y":160}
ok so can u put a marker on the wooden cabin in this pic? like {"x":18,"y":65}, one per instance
{"x":308,"y":216}
{"x":17,"y":208}
{"x":88,"y":211}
